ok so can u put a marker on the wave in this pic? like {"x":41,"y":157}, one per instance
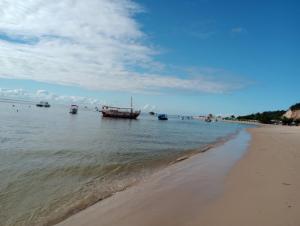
{"x":126,"y":176}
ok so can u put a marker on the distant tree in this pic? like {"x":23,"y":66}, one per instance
{"x":295,"y":107}
{"x":297,"y":122}
{"x":271,"y":116}
{"x":287,"y":121}
{"x":265,"y":118}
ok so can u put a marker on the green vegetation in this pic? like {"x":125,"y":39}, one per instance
{"x":295,"y":107}
{"x":266,"y":117}
{"x":287,"y":121}
{"x":232,"y":117}
{"x":271,"y":117}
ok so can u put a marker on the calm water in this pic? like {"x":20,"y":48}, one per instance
{"x":53,"y":164}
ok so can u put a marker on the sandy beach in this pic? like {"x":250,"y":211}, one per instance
{"x":258,"y":187}
{"x":263,"y":188}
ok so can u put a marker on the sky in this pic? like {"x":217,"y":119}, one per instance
{"x":172,"y":56}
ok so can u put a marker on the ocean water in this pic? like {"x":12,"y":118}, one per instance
{"x":53,"y":164}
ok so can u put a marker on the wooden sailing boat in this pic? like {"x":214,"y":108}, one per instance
{"x":117,"y":112}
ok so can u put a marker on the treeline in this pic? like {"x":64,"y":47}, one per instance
{"x":271,"y":117}
{"x":295,"y":107}
{"x":266,"y":117}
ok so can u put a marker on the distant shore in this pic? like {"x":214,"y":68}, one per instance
{"x":261,"y":189}
{"x":242,"y":122}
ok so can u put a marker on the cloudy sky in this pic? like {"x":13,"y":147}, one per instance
{"x":179,"y":56}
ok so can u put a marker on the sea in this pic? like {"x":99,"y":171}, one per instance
{"x":54,"y":164}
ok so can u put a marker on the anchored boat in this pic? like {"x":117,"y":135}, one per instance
{"x":162,"y":117}
{"x":43,"y":104}
{"x":117,"y":112}
{"x":73,"y":109}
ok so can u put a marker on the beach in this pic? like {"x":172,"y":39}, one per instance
{"x":263,"y":188}
{"x":149,"y":113}
{"x":258,"y":187}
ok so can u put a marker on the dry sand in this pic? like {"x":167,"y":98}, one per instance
{"x":262,"y":189}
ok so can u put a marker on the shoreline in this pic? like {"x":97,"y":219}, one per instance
{"x":261,"y":189}
{"x":244,"y":122}
{"x":187,"y":154}
{"x":152,"y":183}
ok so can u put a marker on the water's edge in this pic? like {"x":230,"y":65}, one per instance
{"x":187,"y":154}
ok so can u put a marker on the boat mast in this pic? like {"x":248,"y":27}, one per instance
{"x":131,"y":104}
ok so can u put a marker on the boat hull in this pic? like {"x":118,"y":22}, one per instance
{"x":124,"y":115}
{"x":43,"y":105}
{"x":73,"y":111}
{"x":162,"y":117}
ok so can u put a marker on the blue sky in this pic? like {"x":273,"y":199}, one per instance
{"x":191,"y":57}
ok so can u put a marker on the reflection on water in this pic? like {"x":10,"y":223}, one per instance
{"x":53,"y":163}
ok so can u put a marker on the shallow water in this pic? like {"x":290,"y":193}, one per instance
{"x":53,"y":164}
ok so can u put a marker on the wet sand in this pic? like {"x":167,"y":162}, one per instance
{"x":260,"y":189}
{"x":263,"y":189}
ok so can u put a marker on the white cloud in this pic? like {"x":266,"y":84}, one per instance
{"x":20,"y":94}
{"x":239,"y":30}
{"x":95,"y":44}
{"x":42,"y":92}
{"x":149,"y":107}
{"x":12,"y":92}
{"x":146,"y":106}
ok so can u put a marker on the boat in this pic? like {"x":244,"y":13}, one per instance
{"x":118,"y":112}
{"x":43,"y":104}
{"x":151,"y":113}
{"x":73,"y":109}
{"x":207,"y":120}
{"x":162,"y":117}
